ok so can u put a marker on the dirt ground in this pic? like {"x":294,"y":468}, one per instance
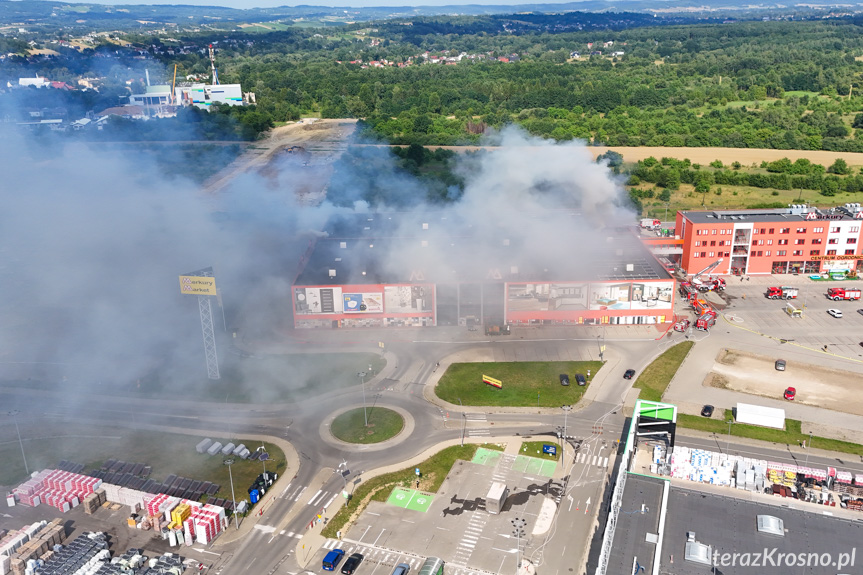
{"x":817,"y":386}
{"x":321,"y":141}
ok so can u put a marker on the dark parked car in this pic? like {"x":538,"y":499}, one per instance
{"x":629,"y":374}
{"x":707,"y":411}
{"x":579,"y":379}
{"x":564,"y":379}
{"x":351,"y":564}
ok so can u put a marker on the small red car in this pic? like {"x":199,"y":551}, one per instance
{"x":790,"y":393}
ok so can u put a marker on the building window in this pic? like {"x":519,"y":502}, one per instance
{"x":831,"y":252}
{"x":784,"y":230}
{"x":713,"y":243}
{"x":767,"y":253}
{"x":760,"y":242}
{"x":797,"y":253}
{"x":769,"y":242}
{"x":695,"y":254}
{"x":818,"y":230}
{"x":710,"y":255}
{"x":714,"y":232}
{"x":782,"y":242}
{"x":835,"y":230}
{"x":704,"y":254}
{"x":849,"y":252}
{"x":851,"y":241}
{"x":771,"y":231}
{"x":727,"y":254}
{"x":833,"y":241}
{"x":752,"y":253}
{"x":801,"y":230}
{"x":760,"y":254}
{"x":814,"y":252}
{"x":854,"y":229}
{"x":781,"y":253}
{"x":762,"y":230}
{"x":816,"y":242}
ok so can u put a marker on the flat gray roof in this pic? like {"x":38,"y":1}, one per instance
{"x":639,"y":516}
{"x":790,"y":215}
{"x":730,"y":525}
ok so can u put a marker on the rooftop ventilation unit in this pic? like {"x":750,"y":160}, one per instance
{"x":332,"y":273}
{"x":630,"y":267}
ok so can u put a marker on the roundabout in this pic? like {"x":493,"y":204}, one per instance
{"x":372,"y":428}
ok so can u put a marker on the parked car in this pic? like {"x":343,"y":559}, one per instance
{"x":835,"y":312}
{"x":402,"y":569}
{"x":790,"y":393}
{"x":707,"y":411}
{"x":780,"y":365}
{"x":332,"y":559}
{"x":629,"y":374}
{"x":860,"y":311}
{"x":579,"y":379}
{"x":564,"y":379}
{"x":352,"y":563}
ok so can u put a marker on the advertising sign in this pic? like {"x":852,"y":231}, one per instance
{"x":492,"y":381}
{"x":318,"y":300}
{"x":549,"y":449}
{"x":195,"y":285}
{"x":363,"y":302}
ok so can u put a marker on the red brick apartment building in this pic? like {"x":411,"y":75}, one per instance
{"x":796,"y":239}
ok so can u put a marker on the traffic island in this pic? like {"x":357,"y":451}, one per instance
{"x":367,"y":425}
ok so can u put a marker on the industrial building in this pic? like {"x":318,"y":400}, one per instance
{"x":797,"y":239}
{"x":388,"y":270}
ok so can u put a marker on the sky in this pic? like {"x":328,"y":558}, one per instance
{"x":240,"y":4}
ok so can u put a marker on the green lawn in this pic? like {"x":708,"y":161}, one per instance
{"x":534,"y":449}
{"x":791,"y":435}
{"x":383,"y":424}
{"x":525,"y":384}
{"x":434,"y":470}
{"x":261,"y":379}
{"x":656,"y":376}
{"x":167,"y":453}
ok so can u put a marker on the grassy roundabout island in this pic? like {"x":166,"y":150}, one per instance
{"x":351,"y":427}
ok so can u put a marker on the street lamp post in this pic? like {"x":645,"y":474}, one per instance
{"x":362,"y":375}
{"x":14,"y":413}
{"x":728,"y":442}
{"x":229,"y":462}
{"x":518,"y":530}
{"x":264,"y":457}
{"x":566,"y":409}
{"x":808,"y":447}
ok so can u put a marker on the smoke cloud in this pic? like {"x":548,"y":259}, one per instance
{"x":92,"y":241}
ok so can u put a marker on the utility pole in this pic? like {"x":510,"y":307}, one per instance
{"x":566,"y":409}
{"x":463,"y":421}
{"x":808,"y":447}
{"x":362,"y":375}
{"x":264,"y":457}
{"x":229,"y":462}
{"x":728,"y":442}
{"x":14,"y":414}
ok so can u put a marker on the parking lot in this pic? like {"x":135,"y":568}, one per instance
{"x":453,"y":524}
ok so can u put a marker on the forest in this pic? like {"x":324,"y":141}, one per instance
{"x":783,"y":85}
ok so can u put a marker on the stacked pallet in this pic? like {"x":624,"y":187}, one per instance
{"x":93,"y":501}
{"x":19,"y":548}
{"x":61,"y":489}
{"x":135,"y":499}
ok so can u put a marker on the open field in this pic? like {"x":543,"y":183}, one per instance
{"x":656,"y":376}
{"x":525,"y":384}
{"x":281,"y":378}
{"x":167,"y":453}
{"x":746,"y":156}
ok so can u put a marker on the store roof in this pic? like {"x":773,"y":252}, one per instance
{"x":436,"y":248}
{"x":794,"y":213}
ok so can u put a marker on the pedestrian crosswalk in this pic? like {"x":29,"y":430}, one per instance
{"x":321,"y":498}
{"x":477,"y":418}
{"x":591,"y":460}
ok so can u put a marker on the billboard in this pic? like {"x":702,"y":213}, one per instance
{"x":408,"y":298}
{"x":363,"y":302}
{"x":197,"y":285}
{"x":547,"y":296}
{"x":318,"y":300}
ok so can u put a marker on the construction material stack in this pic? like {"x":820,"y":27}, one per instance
{"x":93,"y":501}
{"x":21,"y":551}
{"x":60,"y":489}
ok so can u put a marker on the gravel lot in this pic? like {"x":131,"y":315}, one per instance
{"x":817,"y":386}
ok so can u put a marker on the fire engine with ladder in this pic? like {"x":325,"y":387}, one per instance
{"x":710,"y":283}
